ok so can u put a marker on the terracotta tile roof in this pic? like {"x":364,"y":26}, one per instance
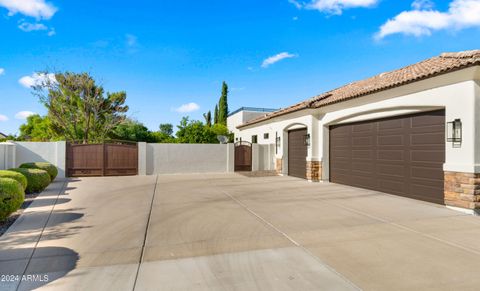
{"x":445,"y":63}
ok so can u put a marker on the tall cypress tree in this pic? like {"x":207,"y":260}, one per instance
{"x":208,"y":118}
{"x":215,"y":115}
{"x":223,"y":105}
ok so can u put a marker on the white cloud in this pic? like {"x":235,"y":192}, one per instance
{"x":24,"y":114}
{"x":2,"y":71}
{"x":335,"y":7}
{"x":3,"y":118}
{"x":423,"y":20}
{"x":277,"y":58}
{"x":33,"y":8}
{"x":36,"y":79}
{"x":27,"y":27}
{"x":422,"y":4}
{"x":189,"y":107}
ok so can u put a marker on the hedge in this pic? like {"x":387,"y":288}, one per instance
{"x":11,"y":197}
{"x":51,"y":169}
{"x":37,"y":180}
{"x":16,"y":176}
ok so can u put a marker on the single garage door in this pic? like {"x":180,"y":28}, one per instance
{"x":297,"y":153}
{"x":399,"y":155}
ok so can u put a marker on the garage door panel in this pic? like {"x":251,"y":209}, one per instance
{"x":426,"y":156}
{"x":401,"y":155}
{"x":390,"y":140}
{"x":389,"y":125}
{"x":363,"y":141}
{"x":362,"y":128}
{"x":362,"y":154}
{"x":391,"y":186}
{"x":427,"y":139}
{"x":363,"y":167}
{"x":391,"y":170}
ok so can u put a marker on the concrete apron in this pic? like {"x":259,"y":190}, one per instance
{"x":217,"y":232}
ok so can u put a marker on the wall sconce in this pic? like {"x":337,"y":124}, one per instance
{"x":454,"y":131}
{"x":306,"y":140}
{"x":277,"y":143}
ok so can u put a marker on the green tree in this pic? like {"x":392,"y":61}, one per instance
{"x":208,"y":118}
{"x":166,"y":128}
{"x":194,"y":131}
{"x":132,"y":130}
{"x":37,"y":128}
{"x":78,"y":108}
{"x":215,"y":116}
{"x":223,"y":105}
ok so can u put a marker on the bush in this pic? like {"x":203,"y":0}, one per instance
{"x":16,"y":176}
{"x":37,"y":180}
{"x":51,"y":169}
{"x":11,"y":197}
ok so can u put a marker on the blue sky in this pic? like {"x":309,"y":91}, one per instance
{"x":272,"y":53}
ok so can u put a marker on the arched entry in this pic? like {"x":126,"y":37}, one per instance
{"x":243,"y":156}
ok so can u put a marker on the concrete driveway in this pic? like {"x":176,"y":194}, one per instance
{"x":230,"y":232}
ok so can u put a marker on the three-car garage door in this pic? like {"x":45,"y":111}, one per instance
{"x":399,"y":155}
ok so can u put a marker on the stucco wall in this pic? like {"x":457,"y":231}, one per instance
{"x":458,"y":93}
{"x":52,"y":152}
{"x":7,"y":155}
{"x":188,"y":158}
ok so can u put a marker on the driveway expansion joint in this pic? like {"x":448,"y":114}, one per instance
{"x":142,"y":254}
{"x":263,"y":220}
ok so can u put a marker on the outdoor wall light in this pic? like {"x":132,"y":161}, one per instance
{"x":277,"y":143}
{"x":454,"y":131}
{"x":306,"y":139}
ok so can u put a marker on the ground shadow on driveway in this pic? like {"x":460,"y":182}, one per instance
{"x":46,"y":264}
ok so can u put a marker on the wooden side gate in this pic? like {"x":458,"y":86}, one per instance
{"x":243,"y":156}
{"x":108,"y":159}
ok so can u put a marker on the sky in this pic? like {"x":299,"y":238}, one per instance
{"x":171,"y":56}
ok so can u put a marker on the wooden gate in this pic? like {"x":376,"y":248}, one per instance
{"x":108,"y":159}
{"x":243,"y":156}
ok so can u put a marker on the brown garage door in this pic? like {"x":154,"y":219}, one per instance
{"x":400,"y":155}
{"x":297,"y":153}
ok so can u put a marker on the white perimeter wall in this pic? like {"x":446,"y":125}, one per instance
{"x":189,"y":158}
{"x":51,"y":152}
{"x":13,"y":154}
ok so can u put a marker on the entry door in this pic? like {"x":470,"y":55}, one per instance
{"x":297,"y":153}
{"x":399,"y":155}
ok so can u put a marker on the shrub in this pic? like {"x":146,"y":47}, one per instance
{"x":16,"y":176}
{"x":37,"y":180}
{"x":51,"y":169}
{"x":11,"y":197}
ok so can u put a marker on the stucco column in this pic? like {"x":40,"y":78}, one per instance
{"x":230,"y":166}
{"x":142,"y":158}
{"x":61,"y":158}
{"x":462,"y":166}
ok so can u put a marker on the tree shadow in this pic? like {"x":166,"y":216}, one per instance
{"x":48,"y":202}
{"x":29,"y":268}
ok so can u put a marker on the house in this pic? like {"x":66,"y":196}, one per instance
{"x":3,"y":136}
{"x":412,"y":132}
{"x":243,"y":115}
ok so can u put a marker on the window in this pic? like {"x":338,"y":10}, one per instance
{"x":254,"y":139}
{"x":265,"y":136}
